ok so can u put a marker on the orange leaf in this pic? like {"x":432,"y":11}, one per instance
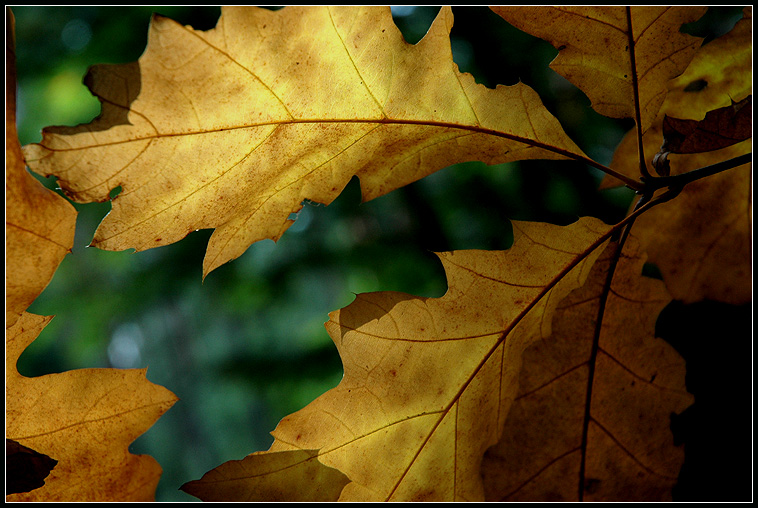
{"x":86,"y":420}
{"x":39,"y":224}
{"x":233,"y":128}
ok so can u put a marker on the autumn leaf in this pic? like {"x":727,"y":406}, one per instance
{"x":86,"y":419}
{"x":621,"y":57}
{"x":636,"y":382}
{"x":429,"y":381}
{"x":233,"y":128}
{"x":700,"y":241}
{"x":720,"y":72}
{"x":39,"y":224}
{"x":281,"y":476}
{"x":720,"y":128}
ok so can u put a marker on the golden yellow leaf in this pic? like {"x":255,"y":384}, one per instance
{"x":234,"y":127}
{"x":637,"y":382}
{"x":429,"y":381}
{"x":85,"y":419}
{"x":39,"y":224}
{"x":282,"y":476}
{"x":598,"y":55}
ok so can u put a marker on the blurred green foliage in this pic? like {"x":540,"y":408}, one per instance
{"x":247,"y":346}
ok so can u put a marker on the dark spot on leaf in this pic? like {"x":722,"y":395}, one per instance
{"x":696,"y":85}
{"x":591,"y":485}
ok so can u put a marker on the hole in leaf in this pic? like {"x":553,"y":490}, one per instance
{"x":652,"y":271}
{"x":696,"y":86}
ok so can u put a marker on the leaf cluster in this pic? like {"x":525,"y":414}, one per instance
{"x":538,"y":375}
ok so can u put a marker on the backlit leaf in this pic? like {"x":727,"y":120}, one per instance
{"x":429,"y":381}
{"x":598,"y":55}
{"x":233,"y":128}
{"x":700,"y":241}
{"x":39,"y":224}
{"x":637,"y":382}
{"x":283,"y":476}
{"x":86,"y":419}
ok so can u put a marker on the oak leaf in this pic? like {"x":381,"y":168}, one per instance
{"x":720,"y":73}
{"x":619,"y":387}
{"x":428,"y":382}
{"x":700,"y":241}
{"x":620,"y":57}
{"x":720,"y":128}
{"x":233,"y":128}
{"x":39,"y":224}
{"x":260,"y":476}
{"x":86,"y":420}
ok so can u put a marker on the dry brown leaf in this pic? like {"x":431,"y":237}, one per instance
{"x":720,"y":128}
{"x":638,"y":381}
{"x":594,"y":45}
{"x":86,"y":420}
{"x":428,"y":381}
{"x":234,"y":127}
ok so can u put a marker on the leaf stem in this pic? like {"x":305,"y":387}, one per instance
{"x":635,"y":88}
{"x":644,"y":200}
{"x":696,"y":174}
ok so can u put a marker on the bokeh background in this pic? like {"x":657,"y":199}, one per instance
{"x":247,"y":346}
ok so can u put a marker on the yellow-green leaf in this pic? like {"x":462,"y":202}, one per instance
{"x":234,"y":127}
{"x":720,"y":72}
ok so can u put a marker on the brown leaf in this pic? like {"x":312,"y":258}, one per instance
{"x":720,"y":128}
{"x":25,"y":469}
{"x":595,"y":43}
{"x":86,"y":419}
{"x":282,"y":476}
{"x":638,"y":381}
{"x":233,"y":128}
{"x":429,"y":381}
{"x":39,"y":224}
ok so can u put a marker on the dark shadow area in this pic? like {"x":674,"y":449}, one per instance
{"x":715,"y":339}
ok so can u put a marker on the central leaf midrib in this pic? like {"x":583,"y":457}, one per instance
{"x":424,"y":123}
